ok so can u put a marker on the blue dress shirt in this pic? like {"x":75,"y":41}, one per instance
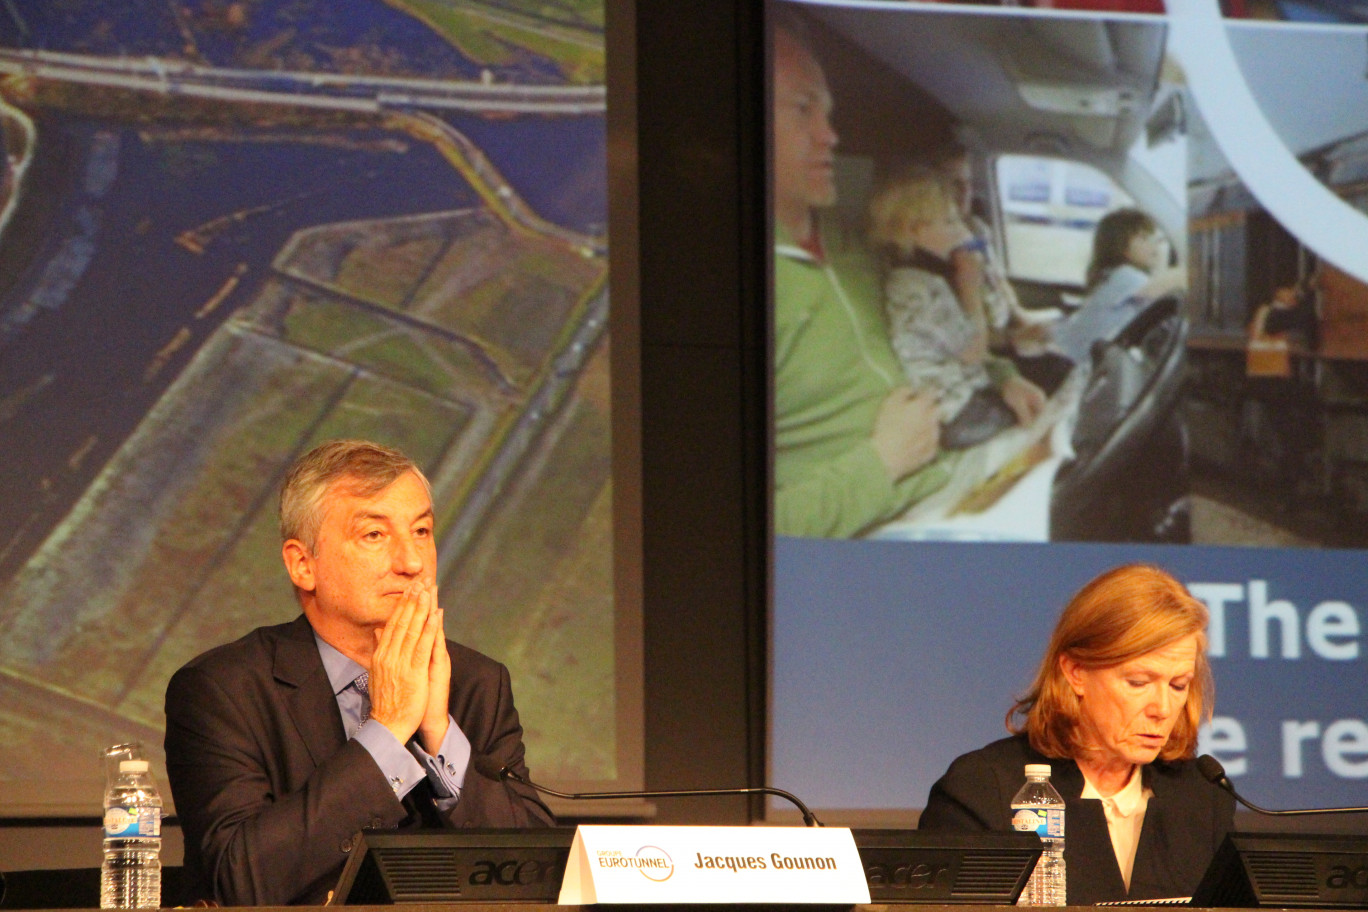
{"x":402,"y":765}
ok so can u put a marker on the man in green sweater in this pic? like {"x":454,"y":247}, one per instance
{"x":855,"y":445}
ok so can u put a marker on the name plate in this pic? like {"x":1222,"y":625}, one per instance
{"x":713,"y":864}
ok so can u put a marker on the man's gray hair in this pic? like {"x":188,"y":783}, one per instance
{"x":367,"y":467}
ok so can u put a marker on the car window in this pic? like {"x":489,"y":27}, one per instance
{"x":1049,"y":209}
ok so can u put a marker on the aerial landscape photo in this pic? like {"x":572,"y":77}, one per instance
{"x":231,"y":230}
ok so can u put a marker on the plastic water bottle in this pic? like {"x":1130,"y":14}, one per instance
{"x":131,"y":875}
{"x":1038,"y":808}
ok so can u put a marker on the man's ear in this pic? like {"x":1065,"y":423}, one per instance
{"x":299,"y":564}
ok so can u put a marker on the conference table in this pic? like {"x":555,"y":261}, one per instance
{"x":551,"y":907}
{"x":521,"y":871}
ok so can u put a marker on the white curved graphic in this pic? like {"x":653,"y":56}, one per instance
{"x":1336,"y":231}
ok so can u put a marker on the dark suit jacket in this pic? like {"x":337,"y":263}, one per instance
{"x":1184,"y":823}
{"x":271,"y":793}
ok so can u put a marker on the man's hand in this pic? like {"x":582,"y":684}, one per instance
{"x":401,"y":665}
{"x":432,"y":730}
{"x":906,"y":432}
{"x":1024,"y":398}
{"x":968,"y":268}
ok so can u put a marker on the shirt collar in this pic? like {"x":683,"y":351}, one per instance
{"x":341,"y":669}
{"x":812,"y":252}
{"x":1125,"y":802}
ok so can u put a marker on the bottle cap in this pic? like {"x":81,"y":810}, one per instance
{"x":132,"y":766}
{"x":1032,"y":769}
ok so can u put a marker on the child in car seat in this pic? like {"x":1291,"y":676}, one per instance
{"x":916,"y":226}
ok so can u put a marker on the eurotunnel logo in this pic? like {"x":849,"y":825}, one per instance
{"x":656,"y":863}
{"x":653,"y":862}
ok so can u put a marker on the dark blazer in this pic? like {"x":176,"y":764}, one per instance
{"x":1184,"y":823}
{"x":271,"y":793}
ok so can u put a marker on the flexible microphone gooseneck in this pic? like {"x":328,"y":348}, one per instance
{"x":503,"y":772}
{"x":1213,"y":772}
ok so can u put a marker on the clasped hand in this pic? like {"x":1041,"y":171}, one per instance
{"x":906,"y":431}
{"x":410,"y":670}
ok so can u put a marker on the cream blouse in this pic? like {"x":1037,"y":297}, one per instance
{"x":1125,"y":813}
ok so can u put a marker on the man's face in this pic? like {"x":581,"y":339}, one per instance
{"x":804,"y":142}
{"x":959,"y":176}
{"x":370,"y":550}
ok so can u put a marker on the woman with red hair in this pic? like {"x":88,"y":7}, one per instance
{"x":1114,"y":710}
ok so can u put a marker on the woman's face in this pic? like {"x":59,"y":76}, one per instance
{"x":1145,"y":250}
{"x":1128,"y":711}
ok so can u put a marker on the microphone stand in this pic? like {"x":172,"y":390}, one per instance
{"x":809,"y":818}
{"x":1211,"y":768}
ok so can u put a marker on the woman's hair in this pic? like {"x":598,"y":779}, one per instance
{"x":1112,"y":238}
{"x":1125,"y":613}
{"x":908,"y":198}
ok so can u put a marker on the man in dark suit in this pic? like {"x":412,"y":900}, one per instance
{"x":283,"y":745}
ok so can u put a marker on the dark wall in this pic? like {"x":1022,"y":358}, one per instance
{"x":701,"y":270}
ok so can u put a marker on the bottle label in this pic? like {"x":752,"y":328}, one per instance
{"x":1047,"y":823}
{"x":124,"y":823}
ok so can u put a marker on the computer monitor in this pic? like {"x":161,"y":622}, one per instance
{"x":910,"y":866}
{"x":476,"y":865}
{"x":1288,"y":870}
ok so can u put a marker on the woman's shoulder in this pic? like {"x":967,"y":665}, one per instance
{"x":1119,"y":282}
{"x":1014,"y":751}
{"x":975,"y":792}
{"x":1182,"y":788}
{"x":1180,"y":773}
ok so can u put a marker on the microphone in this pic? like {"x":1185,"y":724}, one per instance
{"x":484,"y":766}
{"x":1213,"y":772}
{"x":487,"y":766}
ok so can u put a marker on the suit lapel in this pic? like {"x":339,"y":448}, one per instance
{"x":1150,"y":873}
{"x":1094,"y":875}
{"x":306,"y":691}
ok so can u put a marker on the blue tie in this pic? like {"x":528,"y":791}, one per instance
{"x":362,"y":685}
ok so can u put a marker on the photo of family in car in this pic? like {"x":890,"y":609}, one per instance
{"x":993,"y":296}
